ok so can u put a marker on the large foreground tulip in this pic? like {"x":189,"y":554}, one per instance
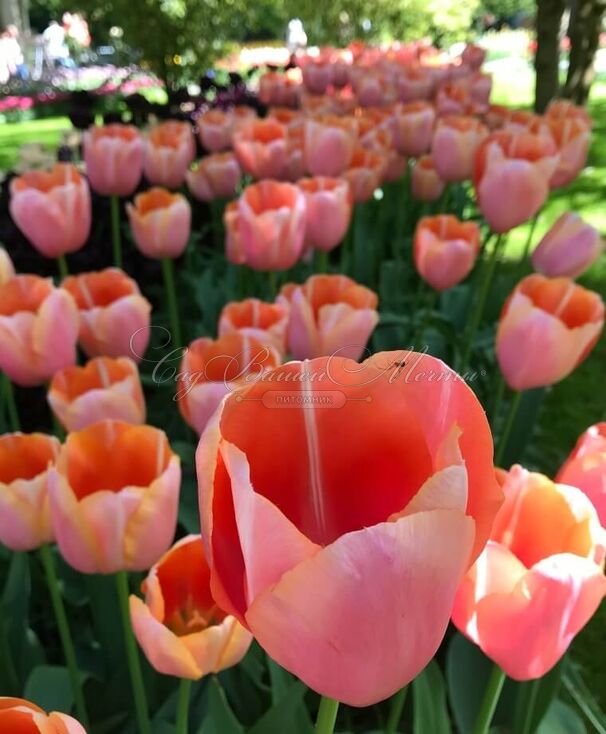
{"x":169,"y":150}
{"x":328,"y":211}
{"x":18,"y":716}
{"x":548,"y":326}
{"x":340,"y":542}
{"x":160,"y":222}
{"x":445,"y":250}
{"x":104,"y":388}
{"x":38,"y":329}
{"x":538,"y":581}
{"x":329,"y":314}
{"x":114,"y":159}
{"x":114,"y":495}
{"x":179,"y":626}
{"x":266,"y":322}
{"x":24,"y":514}
{"x":114,"y":316}
{"x":585,"y":468}
{"x":568,"y":248}
{"x":52,"y":209}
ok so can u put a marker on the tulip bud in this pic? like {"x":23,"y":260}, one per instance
{"x":215,"y":177}
{"x":426,"y":185}
{"x":261,"y":147}
{"x":454,"y":146}
{"x":114,"y":159}
{"x":266,"y":322}
{"x":328,"y":211}
{"x":568,"y":248}
{"x":169,"y":150}
{"x":160,"y":223}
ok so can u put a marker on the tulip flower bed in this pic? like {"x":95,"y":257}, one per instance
{"x":264,"y":417}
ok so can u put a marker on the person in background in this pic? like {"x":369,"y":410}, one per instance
{"x":57,"y":51}
{"x":12,"y":62}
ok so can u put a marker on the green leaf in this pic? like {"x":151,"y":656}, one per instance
{"x":429,"y":701}
{"x":547,"y":688}
{"x":561,"y":719}
{"x":287,"y":715}
{"x":219,"y":718}
{"x":580,"y":694}
{"x":49,"y":687}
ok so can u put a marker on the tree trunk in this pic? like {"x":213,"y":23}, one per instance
{"x":547,"y":58}
{"x":584,"y":32}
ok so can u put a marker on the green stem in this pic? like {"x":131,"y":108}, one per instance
{"x":11,"y":404}
{"x":183,"y":706}
{"x":69,"y":652}
{"x":6,"y":656}
{"x":533,"y":226}
{"x":490,"y":701}
{"x":395,"y":711}
{"x":321,"y":261}
{"x":498,"y":399}
{"x":504,"y":438}
{"x":273,"y":284}
{"x":530,"y":707}
{"x":217,"y":206}
{"x":116,"y":236}
{"x":420,"y":330}
{"x":134,"y":664}
{"x":171,"y":301}
{"x":62,"y":267}
{"x":327,"y":716}
{"x":478,"y":311}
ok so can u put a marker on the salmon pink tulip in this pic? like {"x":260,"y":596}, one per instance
{"x":425,"y":183}
{"x":280,"y":90}
{"x":585,"y":468}
{"x":7,"y":269}
{"x":215,"y":177}
{"x":52,"y":208}
{"x":473,"y":56}
{"x":538,"y":581}
{"x":114,"y":159}
{"x":262,"y":148}
{"x":365,"y":173}
{"x":114,"y":316}
{"x":18,"y":716}
{"x":548,"y":326}
{"x":38,"y":329}
{"x":105,"y":388}
{"x":179,"y":627}
{"x":453,"y":98}
{"x":564,"y":109}
{"x":568,"y":248}
{"x":329,"y":314}
{"x":24,"y":514}
{"x":328,"y":146}
{"x":454,"y":146}
{"x":414,"y":84}
{"x":317,"y":76}
{"x":322,"y":541}
{"x":445,"y":250}
{"x":169,"y":150}
{"x":572,"y":138}
{"x":511,"y":177}
{"x":114,"y":495}
{"x":160,"y":223}
{"x":215,"y":129}
{"x":412,"y":128}
{"x":212,"y":369}
{"x":328,"y":211}
{"x":233,"y":242}
{"x":266,"y":322}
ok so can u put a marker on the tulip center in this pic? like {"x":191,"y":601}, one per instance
{"x":25,"y":456}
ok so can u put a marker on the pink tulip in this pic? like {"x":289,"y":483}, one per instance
{"x":548,"y":326}
{"x":24,"y":515}
{"x":52,"y":209}
{"x":271,"y":225}
{"x":568,"y":248}
{"x":414,"y":84}
{"x":538,"y":581}
{"x":114,"y":159}
{"x":215,"y":129}
{"x":473,"y":56}
{"x":453,"y":98}
{"x":114,"y":316}
{"x":262,"y":149}
{"x":169,"y":150}
{"x":365,"y":173}
{"x":38,"y":329}
{"x":328,"y":211}
{"x":445,"y":250}
{"x":572,"y":138}
{"x":425,"y":184}
{"x":280,"y":90}
{"x":329,"y":314}
{"x":412,"y":127}
{"x":317,"y":76}
{"x":105,"y":388}
{"x":215,"y":177}
{"x":233,"y":241}
{"x":564,"y":109}
{"x":328,"y":146}
{"x":585,"y":468}
{"x":454,"y":146}
{"x":266,"y":322}
{"x":114,"y":495}
{"x":7,"y":269}
{"x":160,"y":223}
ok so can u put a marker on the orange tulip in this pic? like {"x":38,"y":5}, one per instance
{"x":585,"y":468}
{"x":38,"y":329}
{"x":454,"y":146}
{"x":412,"y":127}
{"x":18,"y":716}
{"x":262,"y":148}
{"x":104,"y":388}
{"x":212,"y":369}
{"x":169,"y":150}
{"x":114,"y":495}
{"x":365,"y":173}
{"x":425,"y":183}
{"x":329,"y":145}
{"x":548,"y":326}
{"x":564,"y":109}
{"x":329,"y":314}
{"x":216,"y":176}
{"x":328,"y":211}
{"x":114,"y":159}
{"x":445,"y":250}
{"x":538,"y":581}
{"x":7,"y":269}
{"x":511,"y":177}
{"x":215,"y":129}
{"x":179,"y":627}
{"x":160,"y":223}
{"x":323,"y":539}
{"x":52,"y":209}
{"x":24,"y":514}
{"x":233,"y":241}
{"x":266,"y":322}
{"x":114,"y":316}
